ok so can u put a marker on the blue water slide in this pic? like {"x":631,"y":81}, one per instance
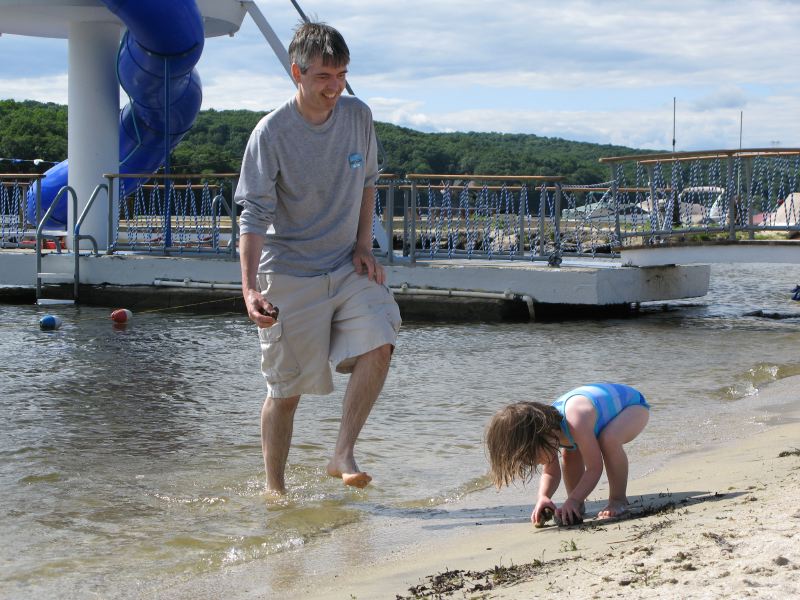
{"x":162,"y":44}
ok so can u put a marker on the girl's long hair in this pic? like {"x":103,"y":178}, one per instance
{"x":516,"y":435}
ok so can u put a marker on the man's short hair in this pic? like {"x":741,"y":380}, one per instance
{"x":311,"y":40}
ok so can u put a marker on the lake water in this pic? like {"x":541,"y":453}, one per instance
{"x":130,"y":459}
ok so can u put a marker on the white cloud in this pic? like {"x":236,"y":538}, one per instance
{"x":245,"y":90}
{"x":595,"y":70}
{"x":400,"y":112}
{"x":724,"y":97}
{"x":50,"y":88}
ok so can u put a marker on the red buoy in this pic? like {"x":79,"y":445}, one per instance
{"x":121,"y":315}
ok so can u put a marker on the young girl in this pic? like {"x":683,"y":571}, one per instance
{"x":590,"y":424}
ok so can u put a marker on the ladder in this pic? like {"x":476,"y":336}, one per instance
{"x":71,"y":275}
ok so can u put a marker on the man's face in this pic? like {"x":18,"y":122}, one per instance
{"x":320,"y":86}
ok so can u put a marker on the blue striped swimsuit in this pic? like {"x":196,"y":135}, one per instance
{"x":609,"y":399}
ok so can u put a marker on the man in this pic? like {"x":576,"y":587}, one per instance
{"x":309,"y":278}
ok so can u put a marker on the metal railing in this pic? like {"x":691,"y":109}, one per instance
{"x":184,"y":214}
{"x":15,"y":229}
{"x":716,"y":193}
{"x":650,"y":199}
{"x":77,"y":237}
{"x":471,"y":216}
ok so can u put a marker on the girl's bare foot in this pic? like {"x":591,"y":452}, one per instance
{"x":614,"y":508}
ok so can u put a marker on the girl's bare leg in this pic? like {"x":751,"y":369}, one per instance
{"x":624,"y":428}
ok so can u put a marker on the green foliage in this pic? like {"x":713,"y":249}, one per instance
{"x":216,"y":142}
{"x":409,"y":151}
{"x":31,"y":130}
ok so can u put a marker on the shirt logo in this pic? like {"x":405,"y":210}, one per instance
{"x":356,"y":160}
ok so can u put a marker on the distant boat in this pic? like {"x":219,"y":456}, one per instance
{"x":604,"y":211}
{"x":697,"y":205}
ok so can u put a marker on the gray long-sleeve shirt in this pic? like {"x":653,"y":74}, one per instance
{"x":307,"y":182}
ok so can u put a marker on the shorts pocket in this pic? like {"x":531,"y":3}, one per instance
{"x":278,"y":362}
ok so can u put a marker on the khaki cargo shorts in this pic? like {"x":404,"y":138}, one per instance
{"x":325,"y":321}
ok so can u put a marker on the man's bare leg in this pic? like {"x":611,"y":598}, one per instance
{"x":366,"y":382}
{"x":277,"y":423}
{"x":624,"y":428}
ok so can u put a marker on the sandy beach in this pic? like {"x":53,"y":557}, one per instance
{"x":719,"y":524}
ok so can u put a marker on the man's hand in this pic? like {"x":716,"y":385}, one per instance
{"x":365,"y":262}
{"x":260,"y":311}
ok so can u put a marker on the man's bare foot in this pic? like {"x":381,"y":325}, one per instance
{"x":273,"y":498}
{"x":359,"y":480}
{"x":353,"y":478}
{"x":614,"y":508}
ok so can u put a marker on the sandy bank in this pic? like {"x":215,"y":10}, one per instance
{"x":721,"y":524}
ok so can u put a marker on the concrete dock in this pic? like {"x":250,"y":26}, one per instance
{"x":439,"y":289}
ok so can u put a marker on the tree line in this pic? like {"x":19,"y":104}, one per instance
{"x":215,"y":144}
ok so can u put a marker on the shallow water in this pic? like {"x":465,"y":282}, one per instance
{"x":130,"y":457}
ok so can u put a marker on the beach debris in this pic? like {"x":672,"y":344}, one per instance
{"x":460,"y":583}
{"x":772,"y":314}
{"x":50,"y":322}
{"x":121,"y":315}
{"x":547,"y":514}
{"x":724,"y":545}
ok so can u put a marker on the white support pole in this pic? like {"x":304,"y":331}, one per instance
{"x":93,"y":112}
{"x":269,"y":34}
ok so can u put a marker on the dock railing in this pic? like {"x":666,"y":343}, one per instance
{"x":725,"y":194}
{"x":173,"y":214}
{"x":650,"y":199}
{"x":473,"y":216}
{"x":15,"y":229}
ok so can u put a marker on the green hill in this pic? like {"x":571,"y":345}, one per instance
{"x":215,"y":144}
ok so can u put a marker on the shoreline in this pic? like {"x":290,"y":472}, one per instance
{"x":720,"y":522}
{"x":717,"y":523}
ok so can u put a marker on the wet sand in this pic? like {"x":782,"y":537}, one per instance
{"x":723,"y":523}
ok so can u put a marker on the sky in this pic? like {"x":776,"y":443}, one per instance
{"x":601,"y":71}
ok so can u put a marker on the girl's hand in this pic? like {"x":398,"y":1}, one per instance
{"x":571,"y":512}
{"x":538,"y":517}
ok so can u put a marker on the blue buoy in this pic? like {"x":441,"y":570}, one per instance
{"x":49,"y":322}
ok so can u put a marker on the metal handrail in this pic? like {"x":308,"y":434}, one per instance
{"x":691,"y":155}
{"x":219,"y":199}
{"x":40,"y":235}
{"x":77,"y":236}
